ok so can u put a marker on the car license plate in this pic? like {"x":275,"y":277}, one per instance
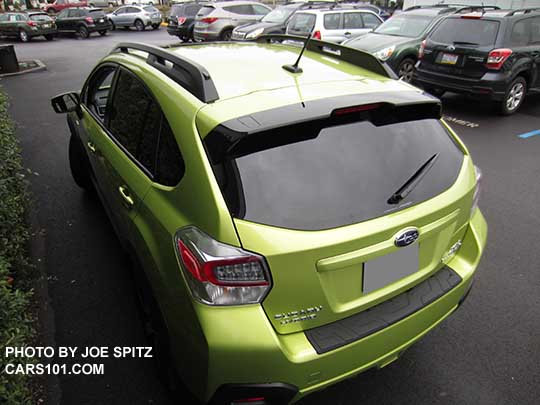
{"x":384,"y":270}
{"x":449,"y":59}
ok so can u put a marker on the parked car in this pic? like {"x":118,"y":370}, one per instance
{"x":83,"y":21}
{"x":275,"y":22}
{"x":398,"y":39}
{"x":139,"y":17}
{"x":269,"y":237}
{"x":384,"y":14}
{"x":494,"y":55}
{"x":27,"y":25}
{"x":216,"y":21}
{"x":334,"y":24}
{"x":141,"y":2}
{"x":181,"y":20}
{"x":104,"y":3}
{"x":59,"y":5}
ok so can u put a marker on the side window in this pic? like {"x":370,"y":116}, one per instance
{"x":133,"y":10}
{"x":520,"y":33}
{"x":352,"y":21}
{"x":4,"y":17}
{"x":535,"y":30}
{"x":12,"y":18}
{"x":21,"y":17}
{"x":97,"y":93}
{"x":260,"y":10}
{"x":170,"y":164}
{"x":370,"y":21}
{"x":244,"y":9}
{"x":331,"y":21}
{"x":63,"y":13}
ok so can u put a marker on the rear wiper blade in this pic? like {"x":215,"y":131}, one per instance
{"x":410,"y":184}
{"x":464,"y":43}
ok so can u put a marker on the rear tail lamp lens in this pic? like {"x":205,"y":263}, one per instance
{"x":317,"y":35}
{"x":181,"y":20}
{"x":477,"y":188}
{"x":31,"y":23}
{"x":89,"y":20}
{"x":221,"y":274}
{"x":209,"y":20}
{"x":421,"y":50}
{"x":497,"y":57}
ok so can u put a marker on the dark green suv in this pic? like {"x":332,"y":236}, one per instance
{"x":25,"y":26}
{"x":398,"y":39}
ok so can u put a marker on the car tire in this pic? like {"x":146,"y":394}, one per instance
{"x":514,"y":96}
{"x":79,"y":164}
{"x":83,"y":32}
{"x":49,"y":37}
{"x":103,"y":33}
{"x":406,"y":69}
{"x":155,"y":26}
{"x":23,"y":36}
{"x":139,"y":25}
{"x":225,"y":35}
{"x":113,"y":27}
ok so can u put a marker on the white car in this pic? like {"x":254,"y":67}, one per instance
{"x":333,"y":24}
{"x":140,"y":2}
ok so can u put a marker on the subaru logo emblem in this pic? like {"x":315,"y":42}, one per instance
{"x":406,"y":237}
{"x":451,"y":48}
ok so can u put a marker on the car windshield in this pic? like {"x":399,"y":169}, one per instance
{"x":278,"y":15}
{"x":40,"y":17}
{"x":150,"y":9}
{"x":312,"y":178}
{"x":465,"y":30}
{"x":405,"y":25}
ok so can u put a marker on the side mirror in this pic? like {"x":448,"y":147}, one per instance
{"x":66,"y":102}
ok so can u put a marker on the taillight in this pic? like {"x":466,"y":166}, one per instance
{"x":477,"y":188}
{"x":355,"y":109}
{"x":31,"y":23}
{"x":497,"y":57}
{"x":209,"y":20}
{"x":472,"y":16}
{"x":317,"y":35}
{"x":421,"y":50}
{"x":89,"y":20}
{"x":181,"y":20}
{"x":221,"y":274}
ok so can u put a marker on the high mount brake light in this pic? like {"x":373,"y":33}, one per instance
{"x":497,"y":57}
{"x":220,"y":274}
{"x":358,"y":108}
{"x":181,"y":20}
{"x":472,"y":16}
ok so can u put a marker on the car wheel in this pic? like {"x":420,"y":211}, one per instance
{"x":83,"y":32}
{"x":155,"y":26}
{"x":515,"y":94}
{"x":113,"y":27}
{"x":79,"y":164}
{"x":139,"y":25}
{"x":51,"y":11}
{"x":103,"y":33}
{"x":49,"y":37}
{"x":226,"y":35}
{"x":406,"y":70}
{"x":23,"y":36}
{"x":183,"y":38}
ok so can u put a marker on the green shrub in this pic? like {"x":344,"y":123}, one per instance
{"x":16,"y":327}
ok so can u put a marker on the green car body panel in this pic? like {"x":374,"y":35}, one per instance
{"x":217,"y":345}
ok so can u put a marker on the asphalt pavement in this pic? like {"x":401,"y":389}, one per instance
{"x":486,"y":353}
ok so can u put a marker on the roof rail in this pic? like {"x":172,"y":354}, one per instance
{"x":523,"y":10}
{"x":188,"y":74}
{"x":353,"y":56}
{"x":472,"y":9}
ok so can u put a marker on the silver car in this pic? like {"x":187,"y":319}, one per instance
{"x":139,"y":17}
{"x":216,"y":21}
{"x":333,"y":24}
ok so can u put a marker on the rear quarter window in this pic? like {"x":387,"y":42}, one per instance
{"x":479,"y":31}
{"x":205,"y":11}
{"x":302,"y":22}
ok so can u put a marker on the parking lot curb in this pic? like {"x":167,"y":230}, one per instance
{"x":40,"y":66}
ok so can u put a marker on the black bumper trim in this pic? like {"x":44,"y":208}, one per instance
{"x":336,"y":334}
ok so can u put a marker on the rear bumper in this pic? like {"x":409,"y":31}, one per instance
{"x":101,"y":27}
{"x":178,"y":31}
{"x":37,"y":33}
{"x":491,"y":85}
{"x":243,"y":347}
{"x":201,"y":35}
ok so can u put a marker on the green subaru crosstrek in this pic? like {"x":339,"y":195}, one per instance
{"x":288,"y":230}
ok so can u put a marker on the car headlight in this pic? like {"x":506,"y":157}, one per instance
{"x":385,"y":53}
{"x":255,"y":33}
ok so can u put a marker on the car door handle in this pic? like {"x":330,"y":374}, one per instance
{"x":128,"y":200}
{"x":91,"y":146}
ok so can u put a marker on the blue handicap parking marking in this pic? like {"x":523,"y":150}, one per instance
{"x":529,"y":134}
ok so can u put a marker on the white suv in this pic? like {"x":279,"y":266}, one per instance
{"x":333,"y":24}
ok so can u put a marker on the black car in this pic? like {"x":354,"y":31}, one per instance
{"x":27,"y":25}
{"x":495,"y":55}
{"x":182,"y":19}
{"x":275,"y":22}
{"x":83,"y":21}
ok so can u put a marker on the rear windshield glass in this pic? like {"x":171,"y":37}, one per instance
{"x":465,"y":30}
{"x":151,"y":9}
{"x":97,"y":13}
{"x":40,"y":17}
{"x":205,"y":10}
{"x":302,"y":22}
{"x":345,"y":174}
{"x":405,"y":25}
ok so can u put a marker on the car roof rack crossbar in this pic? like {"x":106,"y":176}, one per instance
{"x":353,"y":56}
{"x":523,"y":10}
{"x":188,"y":74}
